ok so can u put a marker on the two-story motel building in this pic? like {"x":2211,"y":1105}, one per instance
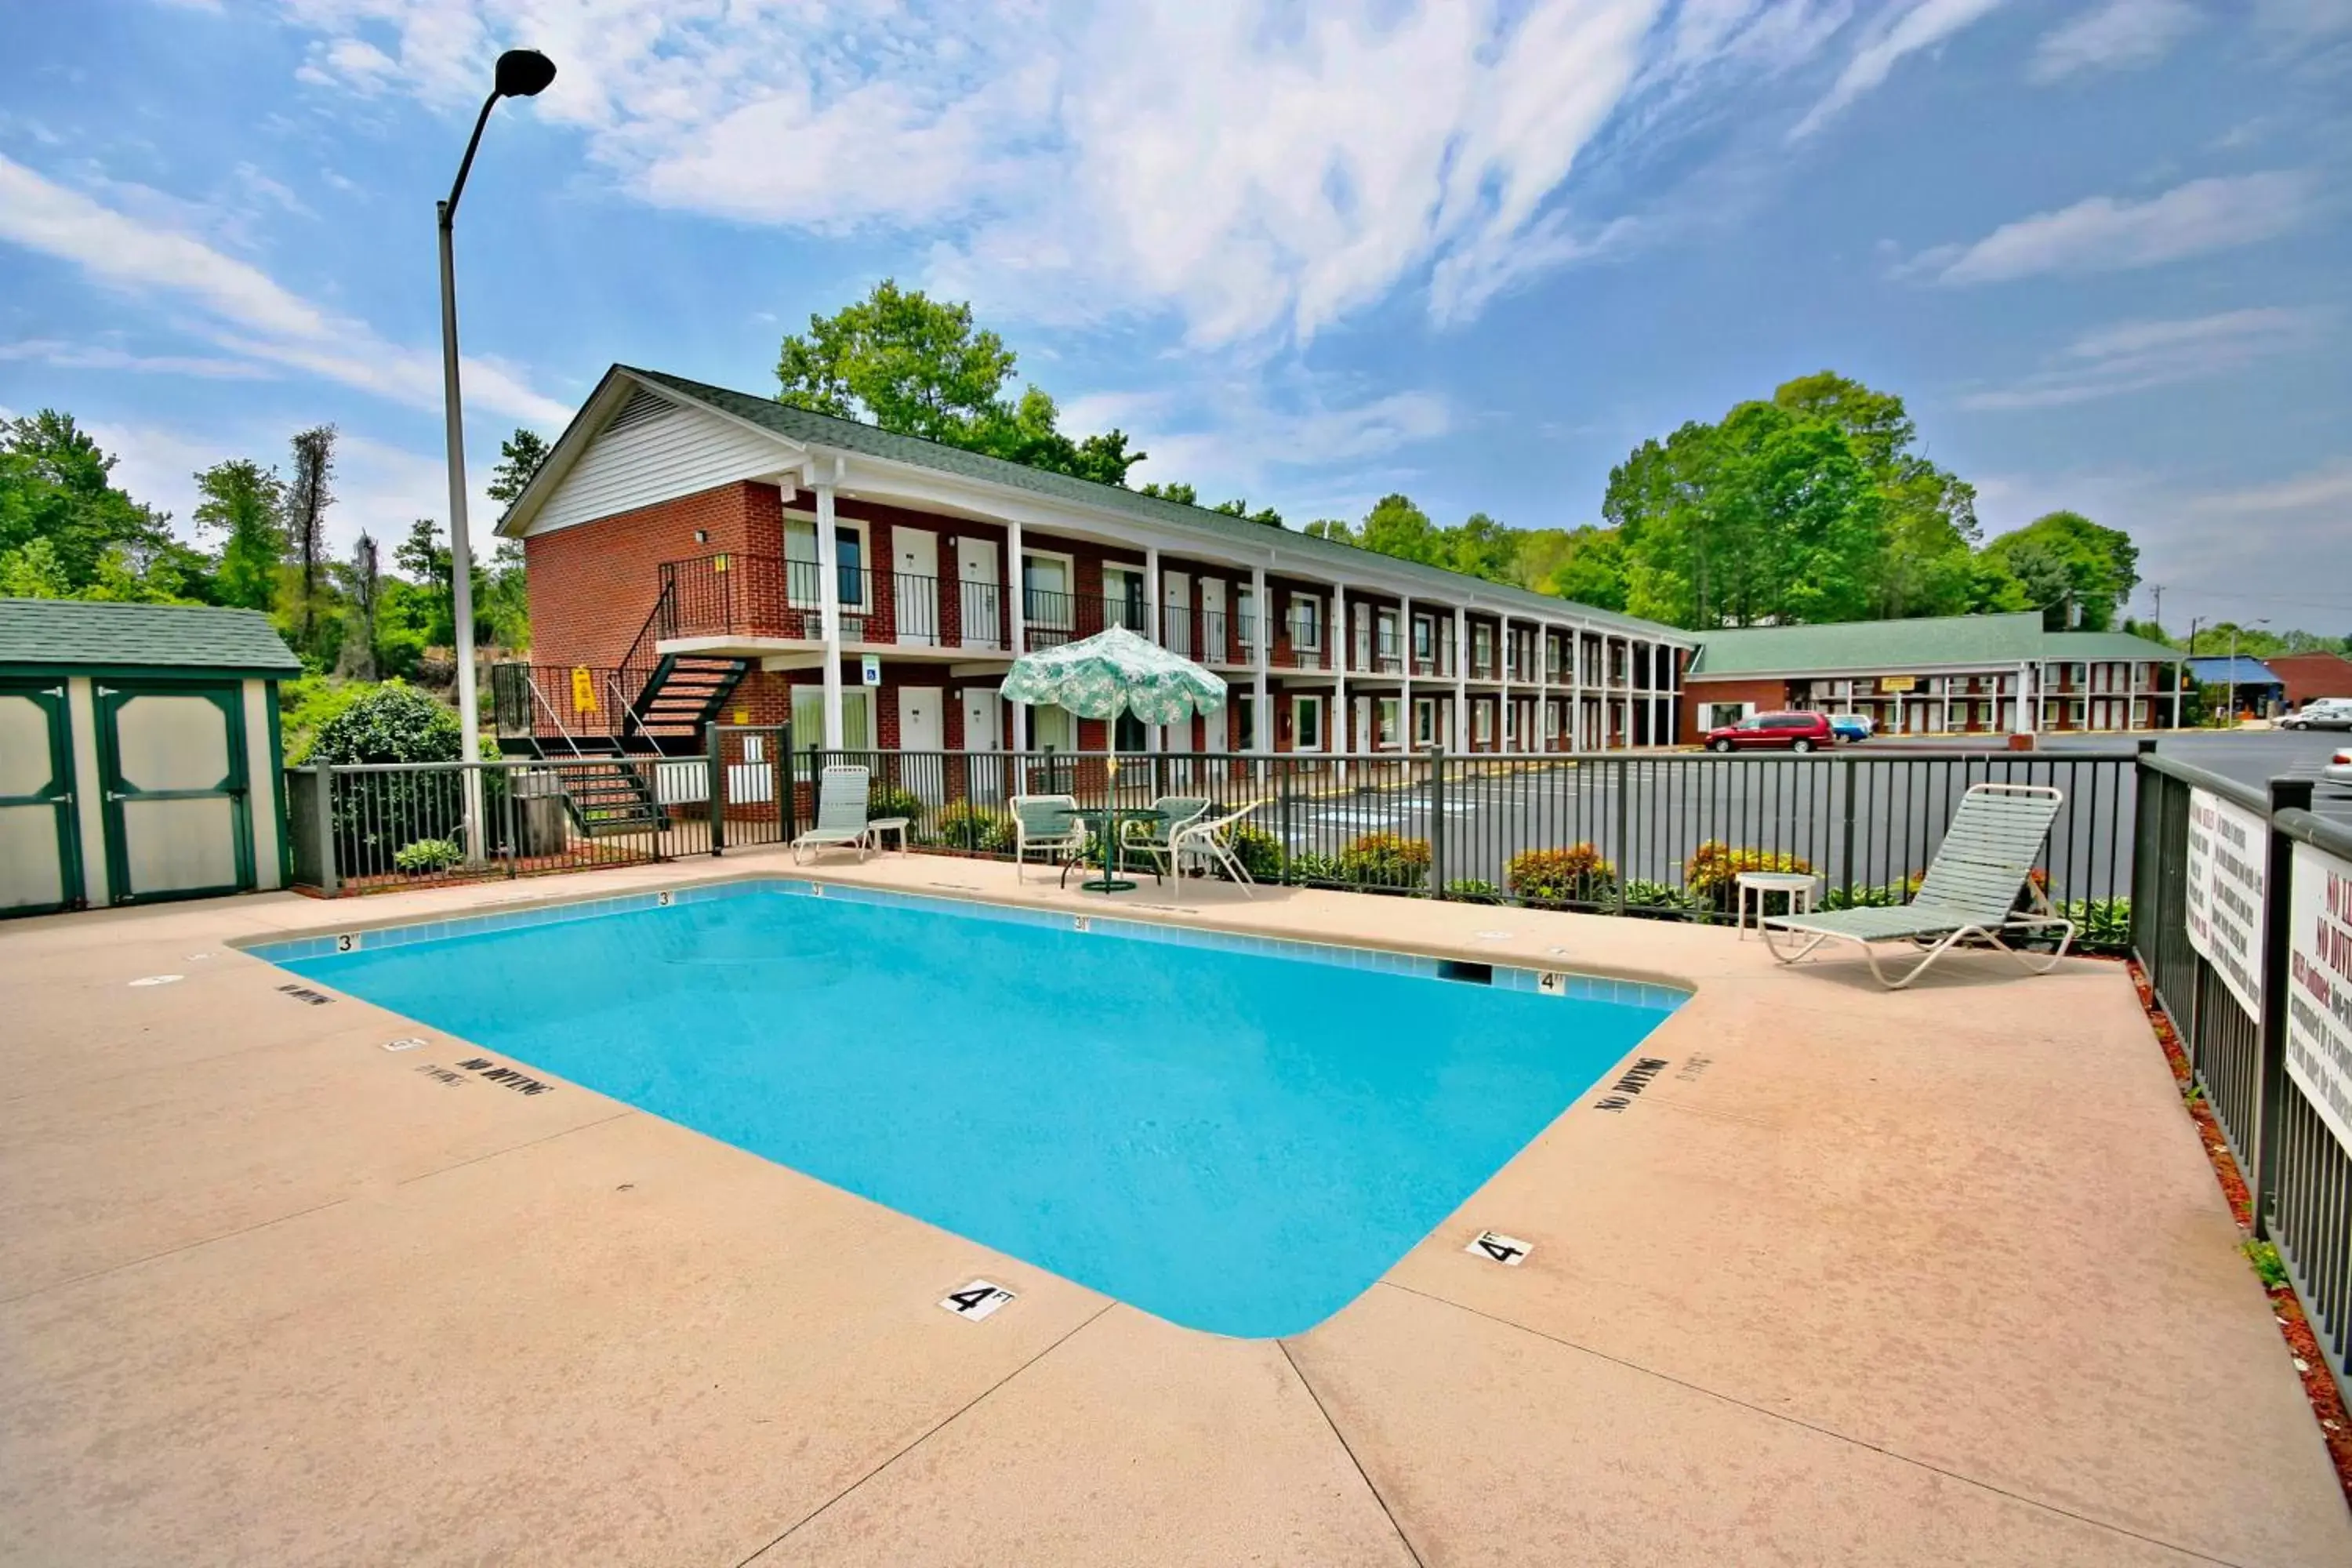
{"x":696,"y":553}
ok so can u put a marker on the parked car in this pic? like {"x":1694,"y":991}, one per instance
{"x":1774,"y":731}
{"x":2321,"y":713}
{"x":1852,"y":726}
{"x":2339,"y":766}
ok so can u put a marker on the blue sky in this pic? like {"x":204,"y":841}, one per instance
{"x":1308,"y":253}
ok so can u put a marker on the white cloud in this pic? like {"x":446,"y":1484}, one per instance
{"x":1922,"y":25}
{"x":2117,"y":35}
{"x":61,"y":355}
{"x":245,"y":311}
{"x":2134,"y":356}
{"x":2106,"y":234}
{"x":2328,"y":488}
{"x":1259,"y":174}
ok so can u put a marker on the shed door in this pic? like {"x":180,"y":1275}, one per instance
{"x":176,"y":808}
{"x":39,"y":867}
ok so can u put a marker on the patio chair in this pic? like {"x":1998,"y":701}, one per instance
{"x":1153,"y":840}
{"x":1208,"y":843}
{"x":1043,"y":821}
{"x":841,"y":794}
{"x":1969,"y":892}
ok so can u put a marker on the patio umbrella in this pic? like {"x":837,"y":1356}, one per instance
{"x":1116,"y":672}
{"x":1111,"y":673}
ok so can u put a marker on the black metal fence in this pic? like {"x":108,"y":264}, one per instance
{"x":2298,"y":1168}
{"x":1661,"y":835}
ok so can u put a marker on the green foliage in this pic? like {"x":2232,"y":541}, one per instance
{"x":972,"y":828}
{"x":1661,"y":902}
{"x":2269,"y":1267}
{"x":1711,"y":875}
{"x":887,"y":799}
{"x":1386,"y":860}
{"x":394,"y":722}
{"x":428,"y":855}
{"x":2068,"y":566}
{"x":57,"y":490}
{"x":1585,"y":564}
{"x":1258,"y":850}
{"x":919,"y":366}
{"x":1557,"y":878}
{"x":305,"y":705}
{"x":1474,"y":890}
{"x":1312,"y":868}
{"x":2101,"y":922}
{"x":1886,"y":896}
{"x":242,"y":502}
{"x":519,"y":457}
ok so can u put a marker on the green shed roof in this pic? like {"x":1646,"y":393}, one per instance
{"x":855,"y":435}
{"x":1897,"y":645}
{"x":54,"y":634}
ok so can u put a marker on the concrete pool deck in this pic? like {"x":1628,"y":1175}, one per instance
{"x":1935,"y":1277}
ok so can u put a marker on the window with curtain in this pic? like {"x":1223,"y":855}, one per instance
{"x":1305,"y":723}
{"x":801,"y":581}
{"x":856,"y":718}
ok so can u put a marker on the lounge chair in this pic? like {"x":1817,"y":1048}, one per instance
{"x":840,"y":793}
{"x":1043,"y":821}
{"x":1154,"y":839}
{"x":1208,"y":843}
{"x":1968,"y":893}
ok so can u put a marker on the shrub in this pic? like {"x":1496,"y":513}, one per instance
{"x":1474,"y":890}
{"x":1386,"y":860}
{"x":428,"y":855}
{"x":1259,"y":851}
{"x":1711,"y":876}
{"x":394,"y":722}
{"x":1886,"y":896}
{"x":974,"y":829}
{"x":1551,"y":879}
{"x":2269,"y":1267}
{"x":1659,"y":901}
{"x":887,"y":799}
{"x":1313,"y":869}
{"x":2104,"y":922}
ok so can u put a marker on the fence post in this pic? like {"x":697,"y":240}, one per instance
{"x":1851,"y":775}
{"x":2147,"y":838}
{"x":326,"y":810}
{"x":2270,"y":1071}
{"x":714,"y":784}
{"x":787,"y":787}
{"x":1282,"y":810}
{"x":514,"y":837}
{"x":1625,"y":839}
{"x":1437,"y":822}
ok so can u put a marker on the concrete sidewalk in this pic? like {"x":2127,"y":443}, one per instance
{"x":1937,"y":1277}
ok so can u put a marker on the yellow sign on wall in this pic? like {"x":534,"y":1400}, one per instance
{"x":583,"y":690}
{"x":1898,"y":683}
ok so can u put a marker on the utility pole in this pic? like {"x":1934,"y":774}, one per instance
{"x":2158,"y":589}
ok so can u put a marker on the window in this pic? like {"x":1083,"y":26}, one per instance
{"x":1424,"y":720}
{"x":1482,"y":722}
{"x":802,"y":585}
{"x":1244,"y":705}
{"x":856,"y":718}
{"x":1245,"y":608}
{"x":1129,"y":734}
{"x":1051,"y":726}
{"x":1482,"y":648}
{"x":1123,"y":597}
{"x":1424,"y":639}
{"x":1305,"y":623}
{"x":1387,"y":633}
{"x":1305,"y":723}
{"x":1045,"y":589}
{"x":1389,"y":715}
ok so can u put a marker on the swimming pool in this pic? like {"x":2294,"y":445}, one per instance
{"x":1238,"y":1134}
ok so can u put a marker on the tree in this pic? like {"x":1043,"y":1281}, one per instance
{"x":57,"y":485}
{"x":243,"y":502}
{"x":306,"y":497}
{"x":1586,"y":565}
{"x":1929,"y":514}
{"x":1239,"y":507}
{"x":520,"y":457}
{"x":364,"y":592}
{"x":432,"y":567}
{"x":2076,"y":572}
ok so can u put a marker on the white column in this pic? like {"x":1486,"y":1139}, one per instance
{"x":1018,"y":586}
{"x":1503,"y":709}
{"x":1405,"y":734}
{"x":1261,"y":650}
{"x":1542,"y":737}
{"x":828,"y":590}
{"x":1335,"y":644}
{"x":1576,"y":689}
{"x":1461,"y":679}
{"x":2028,"y":701}
{"x":1153,"y":736}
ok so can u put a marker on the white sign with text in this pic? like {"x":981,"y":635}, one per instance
{"x":2234,"y":851}
{"x":2319,"y":987}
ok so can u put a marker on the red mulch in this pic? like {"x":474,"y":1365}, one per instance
{"x":2318,"y":1384}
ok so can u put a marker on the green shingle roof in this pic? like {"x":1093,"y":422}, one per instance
{"x":1898,"y":646}
{"x":86,"y":633}
{"x":854,"y":435}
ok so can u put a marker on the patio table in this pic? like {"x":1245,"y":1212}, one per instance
{"x":1103,"y":821}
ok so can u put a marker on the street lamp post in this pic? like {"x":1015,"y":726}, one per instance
{"x":2233,"y":665}
{"x":519,"y":73}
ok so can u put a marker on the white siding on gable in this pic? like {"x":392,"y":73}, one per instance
{"x":654,"y":450}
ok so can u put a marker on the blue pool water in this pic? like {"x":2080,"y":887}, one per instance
{"x":1234,"y":1141}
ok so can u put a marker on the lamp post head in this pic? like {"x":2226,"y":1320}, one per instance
{"x":523,"y":73}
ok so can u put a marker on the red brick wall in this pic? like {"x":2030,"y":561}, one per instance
{"x":2309,"y":675}
{"x":593,"y":584}
{"x":1768,"y":695}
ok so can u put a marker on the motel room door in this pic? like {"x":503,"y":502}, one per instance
{"x":921,"y":727}
{"x":984,"y":739}
{"x":977,"y":583}
{"x":916,"y":590}
{"x":40,"y":866}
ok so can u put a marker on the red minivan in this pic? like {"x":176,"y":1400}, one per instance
{"x":1763,"y":731}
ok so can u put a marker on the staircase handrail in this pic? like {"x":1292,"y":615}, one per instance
{"x":530,"y":678}
{"x":660,"y":622}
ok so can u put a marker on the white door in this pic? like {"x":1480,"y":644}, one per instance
{"x":979,"y":594}
{"x":1176,"y":612}
{"x":1215,"y":633}
{"x":921,"y":724}
{"x":984,"y":731}
{"x":915,"y":588}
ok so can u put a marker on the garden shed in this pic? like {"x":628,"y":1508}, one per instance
{"x":139,"y":754}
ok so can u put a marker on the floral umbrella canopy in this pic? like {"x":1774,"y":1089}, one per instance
{"x":1114,"y":672}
